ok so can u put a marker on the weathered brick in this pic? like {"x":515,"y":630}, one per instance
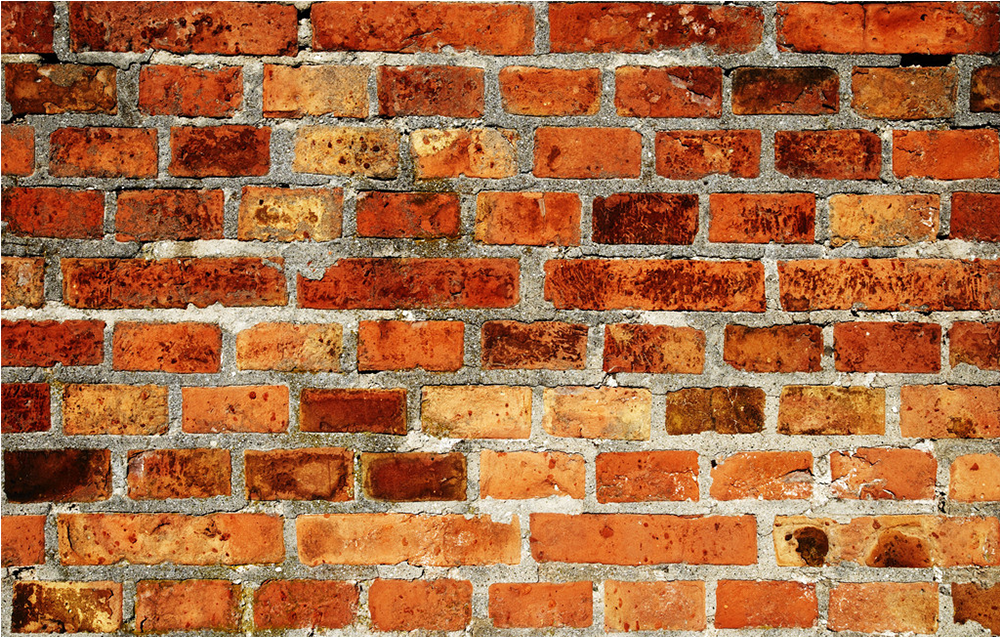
{"x":160,"y":474}
{"x":883,"y":220}
{"x":338,"y":150}
{"x":763,"y":475}
{"x":219,"y":151}
{"x":653,"y":606}
{"x":29,"y":27}
{"x":904,"y":93}
{"x":815,"y":410}
{"x":975,"y":478}
{"x":230,"y":28}
{"x":887,"y":347}
{"x":300,"y":91}
{"x":762,"y":218}
{"x":190,"y":92}
{"x":542,"y":605}
{"x":26,"y":408}
{"x":413,"y":215}
{"x":448,"y":91}
{"x":413,"y":477}
{"x":188,"y":605}
{"x":946,"y":154}
{"x":587,"y":153}
{"x":528,"y":218}
{"x":57,"y":475}
{"x":476,"y":411}
{"x":103,"y":152}
{"x":689,"y":155}
{"x":72,"y":607}
{"x":486,"y":153}
{"x":747,"y":604}
{"x":653,"y":349}
{"x":178,"y":348}
{"x":973,"y":216}
{"x":118,"y":410}
{"x":620,"y":413}
{"x":290,"y":347}
{"x":522,"y":475}
{"x":22,"y":282}
{"x":874,"y":607}
{"x":647,"y":476}
{"x":249,"y":409}
{"x":61,"y":88}
{"x":978,"y":603}
{"x":304,"y":603}
{"x":18,"y":158}
{"x":403,"y":605}
{"x":828,"y":154}
{"x":785,"y":91}
{"x":984,"y":91}
{"x":421,"y":540}
{"x":175,"y":215}
{"x":955,"y":411}
{"x":781,"y":348}
{"x":290,"y":214}
{"x":645,"y":218}
{"x":437,"y":346}
{"x":668,"y":91}
{"x":47,"y":343}
{"x":300,"y":474}
{"x":726,"y":410}
{"x":527,"y":90}
{"x":381,"y":411}
{"x":54,"y":212}
{"x":23,"y":541}
{"x":883,"y":474}
{"x":539,"y":345}
{"x":976,"y":344}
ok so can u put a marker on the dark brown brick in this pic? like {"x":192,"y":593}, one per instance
{"x":781,"y":91}
{"x":984,"y":95}
{"x":828,"y":154}
{"x":645,"y":218}
{"x":782,"y":348}
{"x":300,"y":474}
{"x":449,"y":91}
{"x":219,"y":151}
{"x":28,"y":27}
{"x":57,"y":475}
{"x":977,"y":603}
{"x":974,"y":216}
{"x":413,"y":477}
{"x":381,"y":411}
{"x":61,"y":88}
{"x":71,"y":607}
{"x":540,"y":345}
{"x":26,"y":408}
{"x":725,"y":410}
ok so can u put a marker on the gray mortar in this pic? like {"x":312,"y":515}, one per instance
{"x":311,"y":259}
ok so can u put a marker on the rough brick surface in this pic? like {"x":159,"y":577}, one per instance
{"x":697,"y":154}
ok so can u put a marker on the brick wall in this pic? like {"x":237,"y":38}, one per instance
{"x":486,"y":317}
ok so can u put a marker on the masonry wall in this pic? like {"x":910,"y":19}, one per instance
{"x":501,"y":318}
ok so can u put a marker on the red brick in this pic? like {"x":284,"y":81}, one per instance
{"x":887,"y":347}
{"x":304,"y":603}
{"x":977,"y":603}
{"x":61,"y":88}
{"x":72,"y":607}
{"x":836,"y":411}
{"x":943,"y":411}
{"x":540,"y":345}
{"x":587,"y":153}
{"x":437,"y":346}
{"x":28,"y":27}
{"x":782,"y":348}
{"x":57,"y":475}
{"x":223,"y":28}
{"x":975,"y":478}
{"x":763,"y":218}
{"x":828,"y":154}
{"x":290,"y":347}
{"x":528,"y":218}
{"x":54,"y":212}
{"x":411,"y":215}
{"x":46,"y":343}
{"x":542,"y":605}
{"x":219,"y":151}
{"x":619,"y":413}
{"x":747,"y":604}
{"x":643,"y":539}
{"x":904,"y":93}
{"x":644,"y":27}
{"x":653,"y":349}
{"x":156,"y":538}
{"x":647,"y":476}
{"x":946,"y":154}
{"x":973,"y":216}
{"x":103,"y":152}
{"x":160,"y":474}
{"x":22,"y":282}
{"x":448,"y":91}
{"x":23,"y":540}
{"x":612,"y":284}
{"x":169,"y":605}
{"x":763,"y":475}
{"x":341,"y":150}
{"x":486,"y":153}
{"x":300,"y":474}
{"x":403,"y":605}
{"x":413,"y":477}
{"x":527,"y":90}
{"x":390,"y":283}
{"x":883,"y":474}
{"x":645,"y":218}
{"x":26,"y":408}
{"x":298,"y":91}
{"x":18,"y":158}
{"x":409,"y":27}
{"x":522,"y":475}
{"x":874,"y":607}
{"x":726,"y":410}
{"x":649,"y":606}
{"x":420,"y":540}
{"x":976,"y":344}
{"x":883,"y":220}
{"x":243,"y":409}
{"x":692,"y":155}
{"x":190,"y":92}
{"x":178,"y":348}
{"x":890,"y":284}
{"x":381,"y":411}
{"x":785,"y":91}
{"x":118,"y":410}
{"x":984,"y":92}
{"x":668,"y":91}
{"x":173,"y":215}
{"x":476,"y":411}
{"x":290,"y":214}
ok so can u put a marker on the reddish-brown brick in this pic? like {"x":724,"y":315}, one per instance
{"x":984,"y":92}
{"x":28,"y":26}
{"x":47,"y":343}
{"x":381,"y":411}
{"x":904,"y":93}
{"x":763,"y":475}
{"x":476,"y":411}
{"x":644,"y":27}
{"x":654,"y":606}
{"x":647,"y":476}
{"x":978,"y":603}
{"x":691,"y":155}
{"x":413,"y":215}
{"x":390,"y":284}
{"x":103,"y":152}
{"x":883,"y":220}
{"x":305,"y":603}
{"x":619,"y":413}
{"x":72,"y":607}
{"x":118,"y":410}
{"x":810,"y":410}
{"x":437,"y":346}
{"x":587,"y":153}
{"x":883,"y":474}
{"x":542,"y":605}
{"x":527,"y":90}
{"x":668,"y":91}
{"x":160,"y":474}
{"x":528,"y":218}
{"x":540,"y":345}
{"x":413,"y":477}
{"x":300,"y":474}
{"x":403,"y":605}
{"x":975,"y":478}
{"x":54,"y":212}
{"x":726,"y":410}
{"x":223,"y":28}
{"x":190,"y":92}
{"x":747,"y":604}
{"x":57,"y":475}
{"x":250,"y":409}
{"x":973,"y":216}
{"x":299,"y":91}
{"x":339,"y":150}
{"x":522,"y":475}
{"x":782,"y":348}
{"x":762,"y":218}
{"x":61,"y":88}
{"x":875,"y":607}
{"x":23,"y":540}
{"x":27,"y":408}
{"x":486,"y":153}
{"x":887,"y":347}
{"x":781,"y":91}
{"x":645,"y":218}
{"x":188,"y":605}
{"x":22,"y":282}
{"x":176,"y":215}
{"x":653,"y":349}
{"x":290,"y":347}
{"x":219,"y":151}
{"x":950,"y":411}
{"x":946,"y":154}
{"x":828,"y":154}
{"x":179,"y":348}
{"x":448,"y":91}
{"x":290,"y":214}
{"x":18,"y":158}
{"x":976,"y":344}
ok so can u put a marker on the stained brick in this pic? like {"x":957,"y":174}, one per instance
{"x":654,"y":606}
{"x":541,"y":605}
{"x":528,"y":218}
{"x":103,"y":152}
{"x":175,"y":215}
{"x":746,"y":604}
{"x":290,"y":347}
{"x":300,"y":474}
{"x":973,"y":216}
{"x":437,"y":346}
{"x":883,"y":474}
{"x":619,"y":413}
{"x":688,"y":155}
{"x":290,"y":214}
{"x":522,"y":475}
{"x":249,"y":409}
{"x":873,"y":607}
{"x":188,"y":605}
{"x":984,"y":91}
{"x":535,"y":91}
{"x":300,"y":91}
{"x":486,"y":153}
{"x":305,"y":603}
{"x":26,"y":408}
{"x":54,"y":212}
{"x":160,"y":474}
{"x":975,"y":478}
{"x":816,"y":410}
{"x":904,"y":93}
{"x":763,"y":475}
{"x":978,"y":603}
{"x":219,"y":151}
{"x":883,"y":220}
{"x":72,"y":607}
{"x":29,"y":27}
{"x":480,"y":411}
{"x":653,"y":349}
{"x":403,"y":605}
{"x":950,"y":411}
{"x":61,"y":88}
{"x":179,"y":348}
{"x":539,"y":345}
{"x":119,"y":410}
{"x":414,"y":215}
{"x":785,"y":91}
{"x":413,"y":477}
{"x":668,"y":91}
{"x":18,"y":158}
{"x":726,"y":410}
{"x":22,"y":282}
{"x":448,"y":91}
{"x":782,"y":348}
{"x":587,"y":153}
{"x":190,"y":92}
{"x":47,"y":343}
{"x":23,"y":541}
{"x":946,"y":154}
{"x":762,"y":218}
{"x":887,"y":347}
{"x":338,"y":150}
{"x":645,"y":218}
{"x":828,"y":154}
{"x":57,"y":475}
{"x":976,"y":344}
{"x":353,"y":410}
{"x":647,"y":476}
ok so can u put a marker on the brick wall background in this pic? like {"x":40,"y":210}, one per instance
{"x":602,"y":317}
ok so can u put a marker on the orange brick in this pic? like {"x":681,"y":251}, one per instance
{"x":169,"y":605}
{"x":943,"y":411}
{"x":645,"y":218}
{"x":696,"y":154}
{"x":887,"y":347}
{"x":301,"y":91}
{"x":883,"y":474}
{"x":477,"y":411}
{"x":619,"y":413}
{"x":587,"y":153}
{"x":946,"y":154}
{"x":304,"y":603}
{"x":61,"y":88}
{"x":249,"y":409}
{"x":763,"y":218}
{"x":542,"y":605}
{"x":54,"y":212}
{"x":177,"y":215}
{"x":977,"y":344}
{"x":904,"y":93}
{"x":103,"y":152}
{"x":414,"y":215}
{"x":779,"y":91}
{"x":22,"y":283}
{"x":448,"y":91}
{"x":290,"y":347}
{"x":540,"y":345}
{"x":396,"y":345}
{"x":883,"y":220}
{"x":648,"y":606}
{"x":763,"y":475}
{"x":27,"y":408}
{"x":219,"y":151}
{"x":977,"y":603}
{"x":973,"y":218}
{"x":30,"y":27}
{"x":380,"y":411}
{"x":178,"y":348}
{"x":874,"y":607}
{"x":190,"y":92}
{"x":975,"y":478}
{"x":808,"y":410}
{"x":668,"y":91}
{"x":521,"y":475}
{"x":19,"y":150}
{"x":290,"y":214}
{"x":403,"y":605}
{"x":782,"y":348}
{"x":160,"y":474}
{"x":118,"y":410}
{"x":77,"y":607}
{"x":46,"y":343}
{"x":653,"y":349}
{"x":338,"y":150}
{"x":746,"y":604}
{"x":528,"y":218}
{"x":23,"y":540}
{"x":414,"y":477}
{"x":534,"y":91}
{"x":485,"y":153}
{"x":300,"y":474}
{"x":647,"y":476}
{"x":828,"y":154}
{"x":726,"y":410}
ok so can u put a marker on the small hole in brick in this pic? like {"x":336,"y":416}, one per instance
{"x":921,"y":59}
